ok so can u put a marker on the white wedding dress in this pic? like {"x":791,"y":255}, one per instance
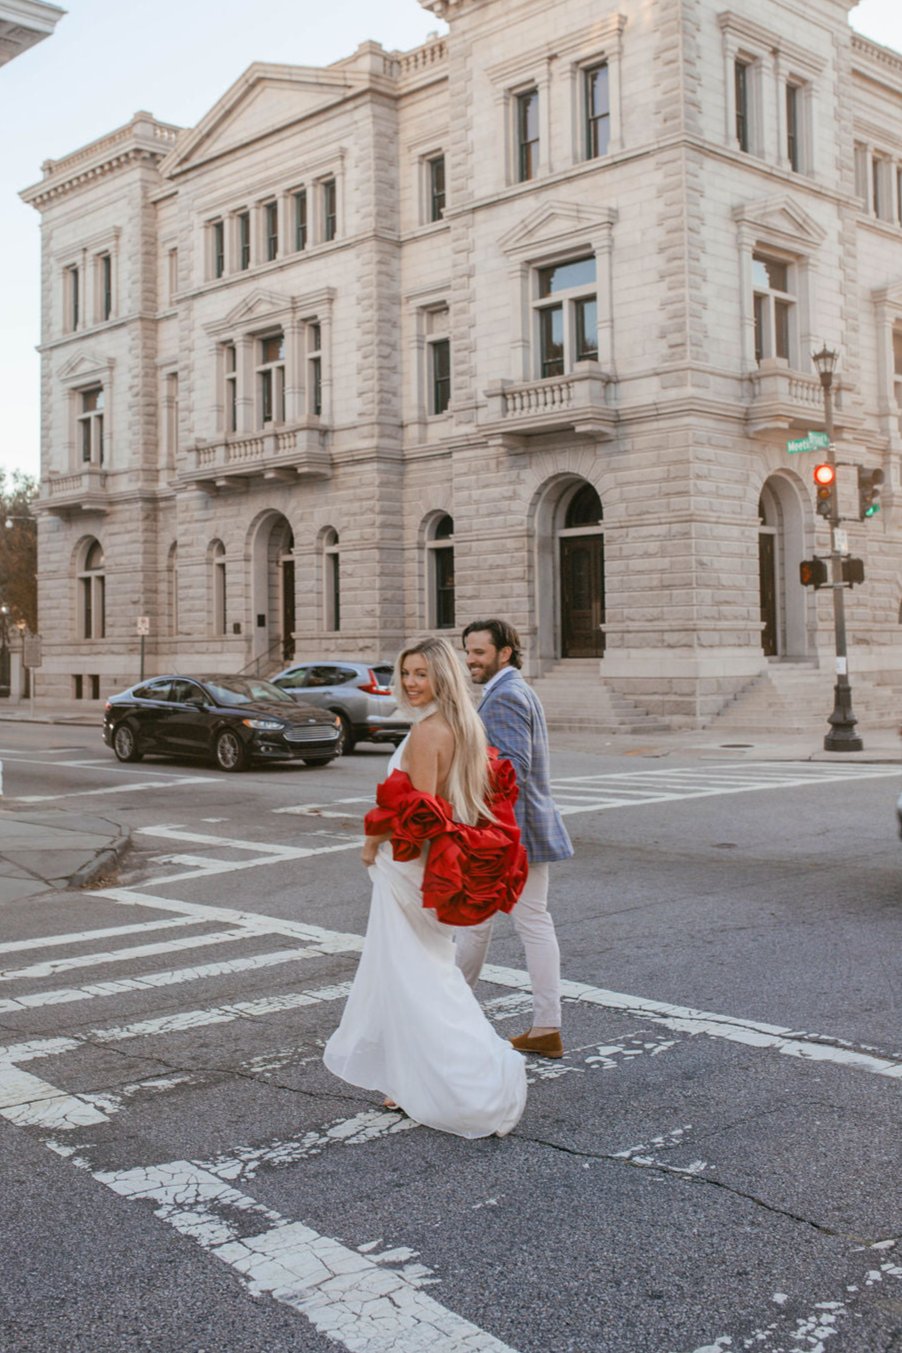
{"x":412,"y":1028}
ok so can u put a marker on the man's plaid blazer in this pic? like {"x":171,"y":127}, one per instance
{"x":515,"y":724}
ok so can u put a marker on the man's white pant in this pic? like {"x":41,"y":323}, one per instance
{"x":543,"y":958}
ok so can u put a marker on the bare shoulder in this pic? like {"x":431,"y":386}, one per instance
{"x":431,"y":735}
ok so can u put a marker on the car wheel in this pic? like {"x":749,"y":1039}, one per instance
{"x":125,"y":744}
{"x":230,"y":751}
{"x":347,"y":741}
{"x":318,"y":760}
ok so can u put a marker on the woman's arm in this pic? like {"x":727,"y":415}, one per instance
{"x":370,"y":845}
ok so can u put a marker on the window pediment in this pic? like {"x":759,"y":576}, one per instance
{"x":264,"y":100}
{"x":556,"y":225}
{"x":781,"y":221}
{"x":85,"y":368}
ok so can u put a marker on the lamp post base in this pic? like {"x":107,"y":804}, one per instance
{"x":842,"y":736}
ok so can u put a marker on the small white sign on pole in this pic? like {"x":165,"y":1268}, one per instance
{"x":841,"y":540}
{"x":143,"y":624}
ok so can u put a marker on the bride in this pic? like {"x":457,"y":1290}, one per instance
{"x":412,"y":1027}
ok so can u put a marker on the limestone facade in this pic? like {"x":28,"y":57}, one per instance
{"x":362,"y":348}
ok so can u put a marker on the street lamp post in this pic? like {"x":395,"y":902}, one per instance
{"x":5,"y":686}
{"x":842,"y":736}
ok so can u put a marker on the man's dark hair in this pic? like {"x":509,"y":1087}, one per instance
{"x":502,"y":635}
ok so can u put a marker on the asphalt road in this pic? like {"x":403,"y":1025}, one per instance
{"x":713,"y":1167}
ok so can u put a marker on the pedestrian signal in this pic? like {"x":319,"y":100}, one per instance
{"x":852,"y":571}
{"x":813,"y":573}
{"x":869,"y":482}
{"x":824,"y":484}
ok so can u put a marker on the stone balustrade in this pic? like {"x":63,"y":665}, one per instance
{"x":579,"y":402}
{"x":289,"y":453}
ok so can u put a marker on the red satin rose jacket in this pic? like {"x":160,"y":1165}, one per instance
{"x":471,"y":872}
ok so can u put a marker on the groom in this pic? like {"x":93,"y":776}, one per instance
{"x":515,"y":724}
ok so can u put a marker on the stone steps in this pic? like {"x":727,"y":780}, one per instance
{"x":575,"y":699}
{"x":787,"y":698}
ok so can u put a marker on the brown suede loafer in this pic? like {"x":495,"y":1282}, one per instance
{"x":541,"y":1045}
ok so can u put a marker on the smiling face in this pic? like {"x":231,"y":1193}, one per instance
{"x":416,"y":680}
{"x":484,"y":660}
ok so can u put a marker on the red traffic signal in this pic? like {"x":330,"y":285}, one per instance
{"x":825,"y":483}
{"x":813,"y":573}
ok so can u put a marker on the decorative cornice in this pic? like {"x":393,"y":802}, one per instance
{"x":141,"y":139}
{"x":888,"y":63}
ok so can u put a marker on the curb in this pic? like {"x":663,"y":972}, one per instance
{"x":105,"y":860}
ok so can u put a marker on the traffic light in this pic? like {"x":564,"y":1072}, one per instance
{"x":852,"y":571}
{"x":869,"y":482}
{"x":813,"y":573}
{"x":825,"y":483}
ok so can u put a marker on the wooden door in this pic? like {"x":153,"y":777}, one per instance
{"x":582,"y":596}
{"x":767,"y":567}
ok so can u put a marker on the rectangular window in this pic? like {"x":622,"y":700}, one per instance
{"x":244,"y":240}
{"x":330,"y":210}
{"x":444,"y":588}
{"x":271,"y":379}
{"x":774,"y":306}
{"x":231,"y":387}
{"x":440,"y":354}
{"x":90,"y":426}
{"x":741,"y":81}
{"x":436,"y":168}
{"x":172,"y":274}
{"x":300,"y":220}
{"x":792,"y":126}
{"x":217,"y":231}
{"x":861,"y":171}
{"x":172,"y":416}
{"x":567,"y":316}
{"x":315,"y":369}
{"x":71,"y":298}
{"x":877,"y":203}
{"x":527,"y":135}
{"x":598,"y":111}
{"x":271,"y":230}
{"x":105,"y":285}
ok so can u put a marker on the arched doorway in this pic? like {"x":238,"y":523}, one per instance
{"x":274,"y":591}
{"x":781,"y":541}
{"x":581,"y":571}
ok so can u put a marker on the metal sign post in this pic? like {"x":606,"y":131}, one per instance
{"x":31,"y":658}
{"x":143,"y":628}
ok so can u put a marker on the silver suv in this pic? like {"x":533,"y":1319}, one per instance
{"x":358,"y":692}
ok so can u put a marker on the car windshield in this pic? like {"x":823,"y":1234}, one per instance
{"x":245,"y":690}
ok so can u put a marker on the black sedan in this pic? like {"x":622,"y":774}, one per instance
{"x":231,"y":719}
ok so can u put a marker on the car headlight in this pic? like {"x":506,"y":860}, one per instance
{"x":266,"y":725}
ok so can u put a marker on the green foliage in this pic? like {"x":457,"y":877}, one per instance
{"x":18,"y":548}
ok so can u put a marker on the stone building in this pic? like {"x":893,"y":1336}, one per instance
{"x":23,"y":23}
{"x":518,"y":322}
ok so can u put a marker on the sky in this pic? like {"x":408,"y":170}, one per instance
{"x":174,"y":58}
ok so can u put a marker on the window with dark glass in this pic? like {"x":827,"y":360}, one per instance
{"x":90,"y":425}
{"x":220,"y":599}
{"x":877,"y":200}
{"x":440,"y":355}
{"x":584,"y":508}
{"x":218,"y":232}
{"x":331,"y":589}
{"x":442,"y":554}
{"x":330,"y":210}
{"x":315,"y":367}
{"x":773,"y":308}
{"x":92,"y":583}
{"x":300,"y":219}
{"x":244,"y":240}
{"x":567,"y":316}
{"x":741,"y":79}
{"x":271,"y":230}
{"x":230,"y":361}
{"x":598,"y":111}
{"x":72,"y":297}
{"x":792,"y":126}
{"x":527,"y":135}
{"x":105,"y":279}
{"x":436,"y":168}
{"x":271,"y":379}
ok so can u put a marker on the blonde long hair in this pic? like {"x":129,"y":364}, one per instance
{"x":468,"y":778}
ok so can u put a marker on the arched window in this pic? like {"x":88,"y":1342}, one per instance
{"x":584,"y":508}
{"x":440,"y":573}
{"x":217,"y":556}
{"x":92,"y":592}
{"x":331,"y":581}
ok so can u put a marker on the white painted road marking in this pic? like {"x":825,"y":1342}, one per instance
{"x":634,"y":789}
{"x":118,"y":789}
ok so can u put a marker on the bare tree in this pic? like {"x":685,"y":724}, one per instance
{"x":18,"y":548}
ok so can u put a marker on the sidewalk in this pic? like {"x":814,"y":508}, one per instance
{"x":55,"y":849}
{"x":881,"y":745}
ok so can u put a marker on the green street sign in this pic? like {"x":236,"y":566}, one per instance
{"x":812,"y":441}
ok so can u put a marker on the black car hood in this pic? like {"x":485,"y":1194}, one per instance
{"x":291,"y":713}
